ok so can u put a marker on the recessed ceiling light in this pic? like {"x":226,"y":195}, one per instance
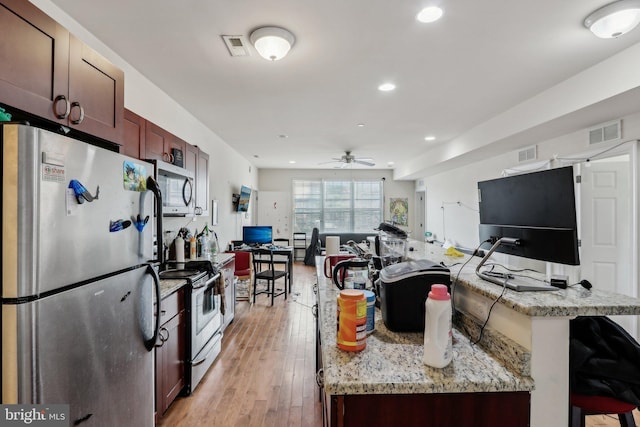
{"x":283,"y":136}
{"x":291,"y":162}
{"x":430,"y":138}
{"x":255,"y":156}
{"x":386,"y":87}
{"x":390,"y":164}
{"x":360,"y":125}
{"x":429,"y":14}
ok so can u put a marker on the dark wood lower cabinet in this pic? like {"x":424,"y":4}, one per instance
{"x":170,"y":352}
{"x":437,"y":410}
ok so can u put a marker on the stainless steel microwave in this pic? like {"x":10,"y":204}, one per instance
{"x":176,"y":185}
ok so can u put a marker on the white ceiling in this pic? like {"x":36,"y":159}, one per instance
{"x":481,"y":59}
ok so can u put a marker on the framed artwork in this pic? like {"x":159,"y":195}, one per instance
{"x":399,"y":210}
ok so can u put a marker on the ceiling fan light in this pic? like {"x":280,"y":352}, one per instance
{"x":272,"y":43}
{"x":614,"y":19}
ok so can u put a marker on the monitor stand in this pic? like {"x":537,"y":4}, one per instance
{"x":514,"y":283}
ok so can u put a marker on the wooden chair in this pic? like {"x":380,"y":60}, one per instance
{"x":244,"y":269}
{"x":582,"y":405}
{"x":264,"y":258}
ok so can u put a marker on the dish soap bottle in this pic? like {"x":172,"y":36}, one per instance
{"x":192,"y":246}
{"x":438,"y":343}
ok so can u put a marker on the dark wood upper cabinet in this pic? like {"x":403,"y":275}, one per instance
{"x":159,"y":143}
{"x":47,"y":72}
{"x":133,"y":143}
{"x":202,"y":183}
{"x":96,"y":87}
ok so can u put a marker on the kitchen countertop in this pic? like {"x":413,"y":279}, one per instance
{"x":392,"y":363}
{"x":573,"y":301}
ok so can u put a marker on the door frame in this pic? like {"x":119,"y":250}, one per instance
{"x":629,"y":148}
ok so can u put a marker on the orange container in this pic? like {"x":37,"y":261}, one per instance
{"x":352,"y":320}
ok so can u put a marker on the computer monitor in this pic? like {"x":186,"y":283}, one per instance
{"x":257,"y":235}
{"x":533,"y":216}
{"x":538,"y":209}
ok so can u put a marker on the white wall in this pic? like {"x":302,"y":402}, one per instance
{"x":461,"y":224}
{"x":280,"y":180}
{"x":228,"y":170}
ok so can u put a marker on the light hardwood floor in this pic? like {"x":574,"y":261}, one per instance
{"x":265,"y":374}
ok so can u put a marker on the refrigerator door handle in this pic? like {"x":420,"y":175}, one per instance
{"x":150,"y":343}
{"x":153,"y":186}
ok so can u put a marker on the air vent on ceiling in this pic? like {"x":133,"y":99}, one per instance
{"x":607,"y":132}
{"x":237,"y":45}
{"x":526,"y":154}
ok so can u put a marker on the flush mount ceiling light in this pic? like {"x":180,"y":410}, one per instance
{"x":272,"y":43}
{"x":614,"y":19}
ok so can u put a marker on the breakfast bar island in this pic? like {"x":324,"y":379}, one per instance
{"x":517,"y":375}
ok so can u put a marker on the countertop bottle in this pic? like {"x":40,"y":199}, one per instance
{"x":192,"y":248}
{"x":438,"y":343}
{"x":179,"y":244}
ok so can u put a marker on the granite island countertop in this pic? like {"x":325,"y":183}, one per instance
{"x":392,"y":363}
{"x":571,"y":302}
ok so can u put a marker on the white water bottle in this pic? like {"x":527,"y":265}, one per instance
{"x":438,"y":343}
{"x":179,"y":243}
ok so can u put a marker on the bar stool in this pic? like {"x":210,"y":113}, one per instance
{"x":582,"y":405}
{"x":244,"y":271}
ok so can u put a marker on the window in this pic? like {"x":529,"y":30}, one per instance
{"x":337,"y":206}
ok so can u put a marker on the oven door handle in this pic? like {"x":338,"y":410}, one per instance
{"x":204,"y":283}
{"x":211,"y":348}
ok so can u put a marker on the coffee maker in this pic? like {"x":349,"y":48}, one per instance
{"x":390,"y":244}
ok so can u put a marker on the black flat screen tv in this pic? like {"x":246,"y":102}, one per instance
{"x":538,"y":209}
{"x":243,"y":200}
{"x":257,"y":234}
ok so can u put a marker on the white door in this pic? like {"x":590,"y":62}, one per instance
{"x":606,"y":255}
{"x":274,"y":209}
{"x":420,"y":220}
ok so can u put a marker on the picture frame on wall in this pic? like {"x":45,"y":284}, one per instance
{"x":214,"y":212}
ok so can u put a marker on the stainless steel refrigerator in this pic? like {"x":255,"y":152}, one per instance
{"x":78,"y":316}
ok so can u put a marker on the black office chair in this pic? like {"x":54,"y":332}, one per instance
{"x":264,"y":258}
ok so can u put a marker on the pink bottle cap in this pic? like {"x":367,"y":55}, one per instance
{"x":439,"y":293}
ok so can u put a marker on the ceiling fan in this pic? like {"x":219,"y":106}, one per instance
{"x":348,"y":158}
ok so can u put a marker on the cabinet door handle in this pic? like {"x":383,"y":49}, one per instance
{"x":81,"y":117}
{"x":161,"y":337}
{"x":320,"y":377}
{"x":67,"y":107}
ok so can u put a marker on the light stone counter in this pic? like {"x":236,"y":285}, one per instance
{"x":392,"y":363}
{"x":573,"y":301}
{"x":537,"y":321}
{"x":169,"y":286}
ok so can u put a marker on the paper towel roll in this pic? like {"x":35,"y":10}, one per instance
{"x":333,"y":245}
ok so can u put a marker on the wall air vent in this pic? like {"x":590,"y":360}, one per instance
{"x":606,"y":132}
{"x":526,"y":154}
{"x":237,"y":45}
